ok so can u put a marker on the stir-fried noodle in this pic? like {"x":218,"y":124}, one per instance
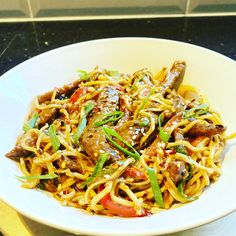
{"x":120,"y":144}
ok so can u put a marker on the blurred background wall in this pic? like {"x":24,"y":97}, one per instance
{"x":23,"y":10}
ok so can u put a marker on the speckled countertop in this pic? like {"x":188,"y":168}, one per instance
{"x":21,"y":41}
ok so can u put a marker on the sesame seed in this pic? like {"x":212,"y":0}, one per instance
{"x":59,"y":187}
{"x":63,"y":165}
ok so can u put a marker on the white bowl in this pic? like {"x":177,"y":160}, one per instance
{"x":212,"y":73}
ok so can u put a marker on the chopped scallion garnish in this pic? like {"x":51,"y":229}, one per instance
{"x":144,"y":122}
{"x":89,"y":107}
{"x":145,"y":101}
{"x":110,"y":132}
{"x":97,"y":170}
{"x":31,"y":177}
{"x":80,"y":129}
{"x":83,"y":122}
{"x":181,"y":149}
{"x":155,"y":187}
{"x":163,"y":135}
{"x":30,"y":124}
{"x":53,"y":137}
{"x":196,"y":111}
{"x":113,"y":73}
{"x":109,"y":117}
{"x":83,"y":74}
{"x":180,"y":189}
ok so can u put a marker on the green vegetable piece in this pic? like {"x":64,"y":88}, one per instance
{"x":109,"y":117}
{"x":89,"y":107}
{"x":83,"y":122}
{"x":180,"y":189}
{"x":155,"y":187}
{"x":160,"y":119}
{"x":80,"y":129}
{"x":147,"y":98}
{"x":181,"y":149}
{"x":163,"y":135}
{"x":110,"y":132}
{"x":136,"y":82}
{"x":32,"y":177}
{"x":97,"y":170}
{"x":53,"y":137}
{"x":144,"y":122}
{"x":190,"y":174}
{"x":83,"y":74}
{"x":196,"y":111}
{"x":30,"y":124}
{"x":41,"y":186}
{"x":113,"y":73}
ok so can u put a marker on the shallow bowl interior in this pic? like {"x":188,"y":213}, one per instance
{"x":212,"y":73}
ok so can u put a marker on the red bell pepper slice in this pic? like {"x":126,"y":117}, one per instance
{"x":118,"y":209}
{"x":133,"y":172}
{"x":77,"y":94}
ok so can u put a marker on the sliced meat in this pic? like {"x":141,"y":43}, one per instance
{"x":132,"y":133}
{"x":168,"y":128}
{"x":93,"y":139}
{"x":135,"y":173}
{"x":50,"y":185}
{"x":18,"y":152}
{"x":178,"y":134}
{"x":66,"y":89}
{"x":178,"y":103}
{"x":128,"y":130}
{"x":47,"y":116}
{"x":127,"y":114}
{"x":174,"y":78}
{"x":142,"y":77}
{"x":205,"y":130}
{"x":108,"y":100}
{"x":72,"y":164}
{"x":177,"y":171}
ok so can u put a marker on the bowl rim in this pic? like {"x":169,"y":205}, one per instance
{"x":28,"y":213}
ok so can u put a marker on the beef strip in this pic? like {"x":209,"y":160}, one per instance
{"x":177,"y":171}
{"x":72,"y":164}
{"x":93,"y":139}
{"x":47,"y":116}
{"x":66,"y":89}
{"x":205,"y":130}
{"x":178,"y":134}
{"x":18,"y":152}
{"x":174,"y":78}
{"x":168,"y":128}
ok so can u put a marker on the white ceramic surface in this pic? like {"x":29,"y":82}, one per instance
{"x":213,"y":73}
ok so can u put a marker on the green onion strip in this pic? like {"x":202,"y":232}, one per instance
{"x":83,"y":122}
{"x":97,"y":170}
{"x":155,"y":187}
{"x":180,"y":188}
{"x":53,"y":137}
{"x":163,"y":135}
{"x":109,"y":117}
{"x":196,"y":111}
{"x":31,"y":177}
{"x":110,"y":132}
{"x":30,"y":124}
